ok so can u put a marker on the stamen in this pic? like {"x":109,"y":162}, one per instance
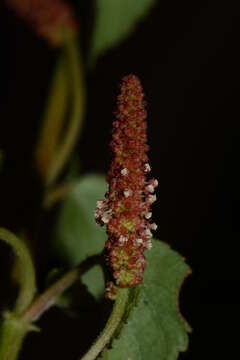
{"x":154,"y":226}
{"x":127,"y":193}
{"x":148,"y":215}
{"x":150,"y":188}
{"x":149,"y":245}
{"x":147,"y":168}
{"x":124,"y":171}
{"x":152,"y":198}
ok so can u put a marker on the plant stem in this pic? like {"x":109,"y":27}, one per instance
{"x":27,"y":279}
{"x":111,"y":326}
{"x":48,"y":298}
{"x":44,"y":301}
{"x":13,"y":331}
{"x":76,"y":85}
{"x":56,"y":194}
{"x":15,"y":327}
{"x":53,"y":119}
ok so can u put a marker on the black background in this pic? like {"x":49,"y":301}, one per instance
{"x":187,"y":56}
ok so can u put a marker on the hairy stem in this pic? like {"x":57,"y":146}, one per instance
{"x":111,"y":326}
{"x":27,"y":278}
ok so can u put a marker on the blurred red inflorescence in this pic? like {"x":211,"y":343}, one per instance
{"x":126,"y":209}
{"x":49,"y":18}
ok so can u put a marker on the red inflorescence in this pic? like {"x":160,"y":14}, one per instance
{"x":48,"y":17}
{"x":126,"y":209}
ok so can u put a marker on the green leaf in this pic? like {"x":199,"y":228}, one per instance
{"x":115,"y":19}
{"x":77,"y":235}
{"x":155,"y":329}
{"x":94,"y":280}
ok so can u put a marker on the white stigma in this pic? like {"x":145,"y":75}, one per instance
{"x":106,"y":215}
{"x":147,"y":168}
{"x":122,"y":239}
{"x":124,"y":171}
{"x":150,"y":188}
{"x":148,"y":233}
{"x":148,"y":215}
{"x":100,"y":204}
{"x":139,"y":241}
{"x":149,"y":245}
{"x":155,"y":183}
{"x":154,"y":226}
{"x":105,"y":218}
{"x":152,"y":198}
{"x":127,"y":193}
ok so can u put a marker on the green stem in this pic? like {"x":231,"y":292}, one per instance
{"x":56,"y":194}
{"x":13,"y":331}
{"x":76,"y":85}
{"x":49,"y":297}
{"x":15,"y":327}
{"x":44,"y":301}
{"x":111,"y":326}
{"x":53,"y":119}
{"x":27,"y":279}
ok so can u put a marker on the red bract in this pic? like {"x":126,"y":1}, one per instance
{"x":48,"y":17}
{"x":126,"y":209}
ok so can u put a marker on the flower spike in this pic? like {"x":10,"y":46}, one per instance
{"x":50,"y":19}
{"x":126,"y":208}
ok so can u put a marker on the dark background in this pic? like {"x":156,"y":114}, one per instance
{"x":187,"y":56}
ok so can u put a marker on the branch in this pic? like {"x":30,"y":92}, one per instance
{"x":44,"y":301}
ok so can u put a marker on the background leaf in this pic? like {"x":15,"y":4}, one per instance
{"x":77,"y":235}
{"x":155,"y":329}
{"x":115,"y":19}
{"x":94,"y":280}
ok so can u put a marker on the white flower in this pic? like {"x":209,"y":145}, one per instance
{"x":105,"y":218}
{"x":152,"y":198}
{"x":148,"y":233}
{"x":148,"y":215}
{"x":154,"y":226}
{"x":150,"y":188}
{"x":148,"y":244}
{"x":100,"y":204}
{"x":139,"y":241}
{"x":147,"y":168}
{"x":127,"y":193}
{"x":124,"y":171}
{"x":122,"y":239}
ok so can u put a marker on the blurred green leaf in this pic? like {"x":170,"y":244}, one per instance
{"x":77,"y":235}
{"x":94,"y":280}
{"x":155,"y":329}
{"x":115,"y":19}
